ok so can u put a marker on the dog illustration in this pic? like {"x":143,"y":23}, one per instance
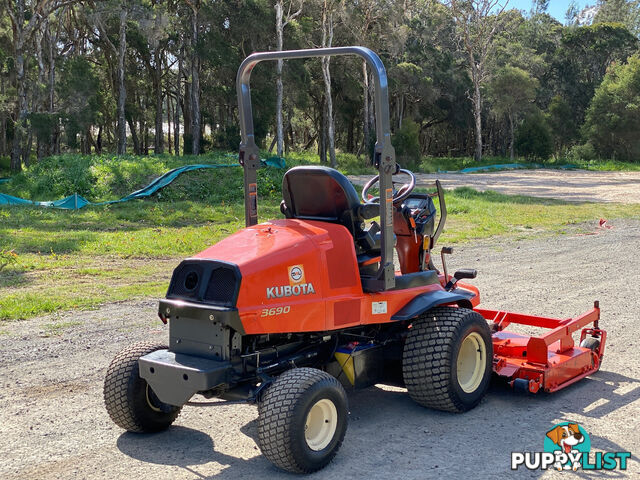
{"x":566,"y":437}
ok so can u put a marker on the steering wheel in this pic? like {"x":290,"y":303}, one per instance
{"x":398,"y":194}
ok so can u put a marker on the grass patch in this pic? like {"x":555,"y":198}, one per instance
{"x":444,"y":164}
{"x":56,"y":260}
{"x":475,"y":215}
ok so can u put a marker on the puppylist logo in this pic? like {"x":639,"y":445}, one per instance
{"x":567,"y":446}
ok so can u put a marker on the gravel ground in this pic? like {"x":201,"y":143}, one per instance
{"x":53,"y":424}
{"x":568,"y":185}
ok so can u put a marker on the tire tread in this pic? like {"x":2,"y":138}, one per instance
{"x":426,"y":367}
{"x":120,"y":373}
{"x":276,"y":413}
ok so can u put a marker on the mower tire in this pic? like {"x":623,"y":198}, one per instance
{"x":592,"y":344}
{"x":302,"y":420}
{"x":447,"y":359}
{"x":130,"y":402}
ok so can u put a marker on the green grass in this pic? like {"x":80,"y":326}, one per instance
{"x":476,"y":215}
{"x":64,"y":260}
{"x":602,"y":165}
{"x":443,"y":164}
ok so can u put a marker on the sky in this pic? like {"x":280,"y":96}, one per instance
{"x":557,"y":8}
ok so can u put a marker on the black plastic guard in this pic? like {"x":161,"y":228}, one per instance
{"x":175,"y":377}
{"x":428,"y":300}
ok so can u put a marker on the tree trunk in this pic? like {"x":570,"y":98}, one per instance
{"x":26,"y":152}
{"x":16,"y":153}
{"x":327,"y":39}
{"x":158,"y":141}
{"x":3,"y":123}
{"x":169,"y":117}
{"x":98,"y":143}
{"x":279,"y":45}
{"x":180,"y":105}
{"x":55,"y":132}
{"x":20,"y":125}
{"x":195,"y":85}
{"x":122,"y":93}
{"x":188,"y":124}
{"x":477,"y":114}
{"x":39,"y":103}
{"x":134,"y":135}
{"x":511,"y":137}
{"x":176,"y":125}
{"x":322,"y":143}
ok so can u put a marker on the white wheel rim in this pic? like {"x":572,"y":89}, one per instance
{"x":149,"y":402}
{"x":321,"y":424}
{"x":471,"y":363}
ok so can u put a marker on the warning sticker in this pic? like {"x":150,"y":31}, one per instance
{"x":378,"y":308}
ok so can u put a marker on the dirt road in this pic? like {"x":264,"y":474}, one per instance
{"x":569,"y":185}
{"x":53,"y":424}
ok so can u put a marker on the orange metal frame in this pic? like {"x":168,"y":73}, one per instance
{"x":548,"y":362}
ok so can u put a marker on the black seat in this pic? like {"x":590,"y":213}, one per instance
{"x":325,"y":194}
{"x":320,"y":193}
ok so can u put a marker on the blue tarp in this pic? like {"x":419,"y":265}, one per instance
{"x":506,"y":166}
{"x":76,"y":201}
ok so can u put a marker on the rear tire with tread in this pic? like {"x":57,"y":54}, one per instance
{"x":430,"y":361}
{"x":284,"y":412}
{"x":129,"y":400}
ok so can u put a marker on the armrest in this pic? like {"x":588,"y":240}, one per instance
{"x":367,"y":211}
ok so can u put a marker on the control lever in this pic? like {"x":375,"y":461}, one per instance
{"x":459,"y":275}
{"x":443,"y":252}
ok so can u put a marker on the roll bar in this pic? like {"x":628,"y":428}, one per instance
{"x":384,"y":155}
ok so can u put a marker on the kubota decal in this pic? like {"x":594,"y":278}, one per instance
{"x":290,"y":291}
{"x":296,"y":275}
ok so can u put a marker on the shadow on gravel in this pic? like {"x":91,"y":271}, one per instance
{"x":187,"y":448}
{"x":179,"y":446}
{"x":418,"y":439}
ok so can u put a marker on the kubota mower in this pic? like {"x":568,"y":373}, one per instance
{"x":290,"y":312}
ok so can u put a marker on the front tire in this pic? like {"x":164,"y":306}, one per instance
{"x":447,"y":359}
{"x":130,"y":401}
{"x":302,"y":420}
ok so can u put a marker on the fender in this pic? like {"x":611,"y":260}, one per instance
{"x":428,"y":300}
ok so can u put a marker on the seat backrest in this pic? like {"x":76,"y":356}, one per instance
{"x":320,"y":193}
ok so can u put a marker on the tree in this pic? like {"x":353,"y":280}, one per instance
{"x":107,"y":10}
{"x":533,"y":138}
{"x":327,"y":41}
{"x":23,"y":30}
{"x":562,"y":121}
{"x":625,"y":12}
{"x":513,"y":91}
{"x":613,"y":119}
{"x":79,"y":89}
{"x":281,"y":22}
{"x":478,"y":22}
{"x":583,"y":57}
{"x":195,"y":76}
